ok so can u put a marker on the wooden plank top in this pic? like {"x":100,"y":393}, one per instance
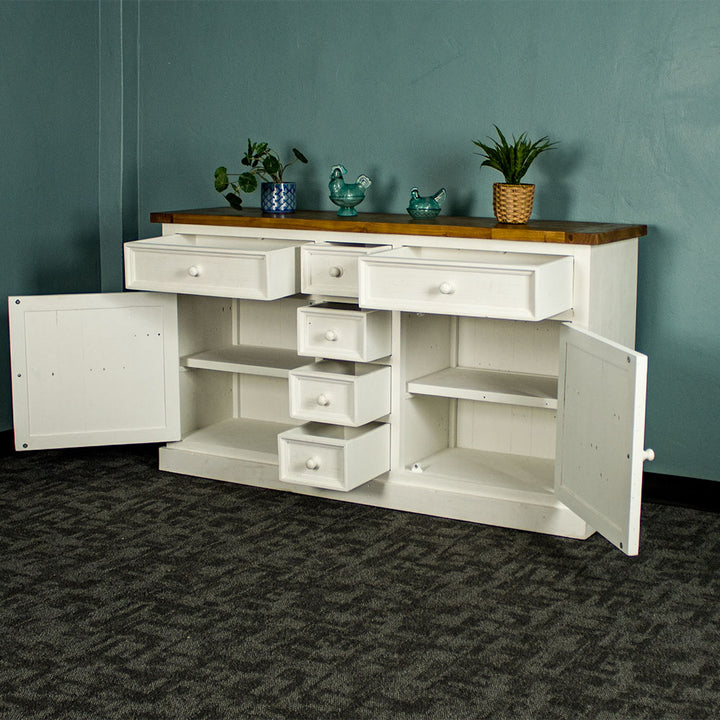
{"x":549,"y":231}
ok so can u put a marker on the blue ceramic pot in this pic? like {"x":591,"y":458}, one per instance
{"x":278,"y":197}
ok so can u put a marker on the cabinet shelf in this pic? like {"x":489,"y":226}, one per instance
{"x":242,"y":439}
{"x":489,"y":386}
{"x":247,"y":359}
{"x":468,"y":471}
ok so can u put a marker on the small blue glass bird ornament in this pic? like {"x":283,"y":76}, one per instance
{"x":347,"y":195}
{"x":426,"y":207}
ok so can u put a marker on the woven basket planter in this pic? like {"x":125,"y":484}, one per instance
{"x":513,"y":203}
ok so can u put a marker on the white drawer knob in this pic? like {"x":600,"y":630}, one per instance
{"x":331,"y":335}
{"x":323,"y":400}
{"x":336,"y":271}
{"x":312,"y":463}
{"x":193,"y":271}
{"x":447,"y":288}
{"x":648,"y":454}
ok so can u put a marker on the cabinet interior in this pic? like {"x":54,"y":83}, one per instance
{"x":235,"y":357}
{"x":481,"y":402}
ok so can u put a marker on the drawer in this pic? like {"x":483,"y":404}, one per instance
{"x":343,"y":393}
{"x":333,"y":457}
{"x":252,"y":268}
{"x":330,"y":269}
{"x":477,"y":283}
{"x":343,"y":333}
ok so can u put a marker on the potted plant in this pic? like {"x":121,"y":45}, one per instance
{"x":512,"y":200}
{"x":276,"y":195}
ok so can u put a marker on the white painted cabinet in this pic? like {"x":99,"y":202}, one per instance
{"x":457,"y":368}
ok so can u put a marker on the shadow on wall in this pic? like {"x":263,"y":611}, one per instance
{"x":681,"y":379}
{"x":461,"y":204}
{"x":553,"y":191}
{"x":310,"y":192}
{"x":682,"y":365}
{"x":58,"y":272}
{"x":384,"y":190}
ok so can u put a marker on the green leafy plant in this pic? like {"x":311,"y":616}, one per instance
{"x":512,"y":159}
{"x":263,"y":162}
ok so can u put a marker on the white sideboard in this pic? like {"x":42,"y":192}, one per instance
{"x":454,"y":367}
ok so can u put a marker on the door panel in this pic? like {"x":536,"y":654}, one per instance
{"x":94,"y":369}
{"x":600,"y":434}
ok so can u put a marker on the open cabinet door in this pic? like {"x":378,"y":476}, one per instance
{"x":600,"y":434}
{"x":94,"y":369}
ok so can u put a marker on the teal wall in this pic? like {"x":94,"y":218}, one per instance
{"x":399,"y":89}
{"x":48,"y":156}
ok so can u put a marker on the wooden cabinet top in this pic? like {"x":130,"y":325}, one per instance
{"x":549,"y":231}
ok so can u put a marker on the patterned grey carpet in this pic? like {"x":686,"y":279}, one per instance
{"x":131,"y":593}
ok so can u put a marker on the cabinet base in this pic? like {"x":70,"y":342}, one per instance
{"x":404,"y":491}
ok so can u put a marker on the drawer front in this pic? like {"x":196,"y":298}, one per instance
{"x":223,"y":272}
{"x":340,"y":393}
{"x":322,"y":400}
{"x":508,"y":286}
{"x":312,"y":463}
{"x":339,"y":334}
{"x":334,"y":458}
{"x":329,"y":269}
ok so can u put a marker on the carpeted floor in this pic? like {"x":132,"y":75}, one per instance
{"x":131,"y":593}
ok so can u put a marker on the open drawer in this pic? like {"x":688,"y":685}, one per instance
{"x":331,"y":269}
{"x":235,"y":267}
{"x":479,"y":283}
{"x":334,"y":457}
{"x":344,"y":393}
{"x":343,"y":332}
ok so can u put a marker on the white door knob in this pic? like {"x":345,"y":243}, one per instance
{"x":312,"y":463}
{"x":331,"y":335}
{"x":447,"y":288}
{"x":323,"y":400}
{"x":336,"y":271}
{"x":648,"y":454}
{"x":193,"y":271}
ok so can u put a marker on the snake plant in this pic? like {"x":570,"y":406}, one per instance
{"x":512,"y":159}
